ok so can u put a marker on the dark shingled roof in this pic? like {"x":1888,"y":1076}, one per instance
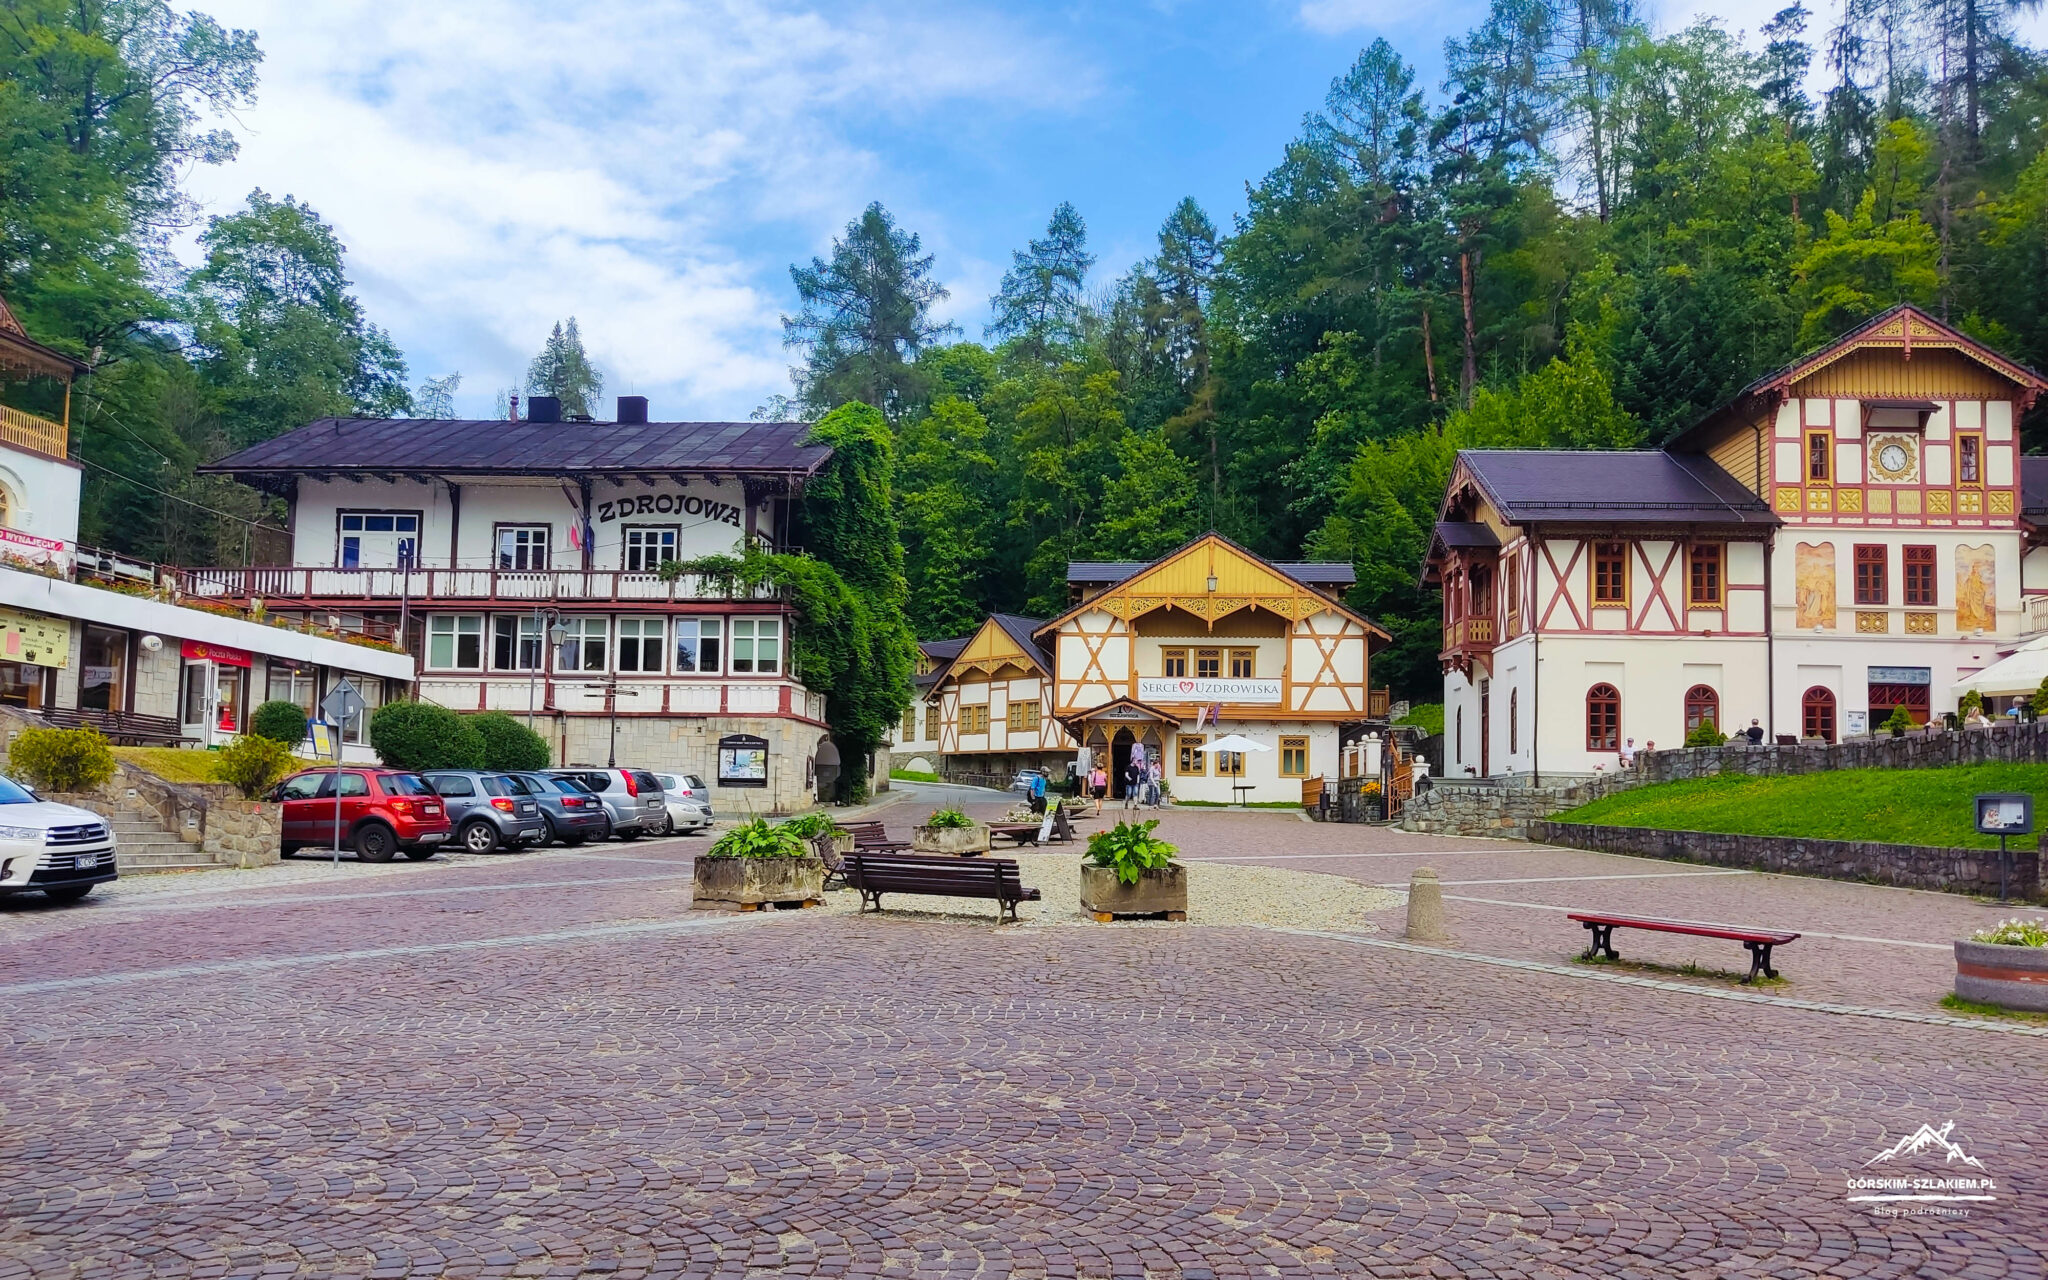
{"x":2034,"y":486}
{"x":1111,"y":572}
{"x":944,"y":650}
{"x":492,"y":446}
{"x":1459,"y":533}
{"x":1020,"y":628}
{"x":1533,"y":486}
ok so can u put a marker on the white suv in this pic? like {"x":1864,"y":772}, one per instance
{"x":56,"y":848}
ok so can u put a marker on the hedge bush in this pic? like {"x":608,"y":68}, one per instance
{"x":61,"y":759}
{"x":508,"y":743}
{"x":253,"y":762}
{"x":279,"y":720}
{"x":420,"y":735}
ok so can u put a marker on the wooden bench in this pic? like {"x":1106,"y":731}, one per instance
{"x":124,"y":728}
{"x":1023,"y":833}
{"x":1758,"y":942}
{"x":870,"y":837}
{"x":942,"y":876}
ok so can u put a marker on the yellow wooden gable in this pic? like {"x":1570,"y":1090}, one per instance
{"x":1183,"y":580}
{"x":990,"y":650}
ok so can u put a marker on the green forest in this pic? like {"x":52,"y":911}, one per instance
{"x":1586,"y":236}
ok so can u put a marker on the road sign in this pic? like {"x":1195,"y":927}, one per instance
{"x":344,"y":705}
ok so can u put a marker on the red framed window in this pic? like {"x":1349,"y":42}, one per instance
{"x":1871,"y":587}
{"x":1817,"y":713}
{"x":1702,"y":706}
{"x":1610,"y":573}
{"x":1703,"y":564}
{"x":1603,"y":718}
{"x":1919,"y":565}
{"x":1820,"y":449}
{"x":1969,"y":459}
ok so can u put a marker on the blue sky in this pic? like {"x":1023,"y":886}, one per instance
{"x":654,"y":166}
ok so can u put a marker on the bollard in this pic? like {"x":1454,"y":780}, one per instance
{"x":1426,"y":907}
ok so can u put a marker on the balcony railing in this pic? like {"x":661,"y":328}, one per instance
{"x":1468,"y":633}
{"x":28,"y":431}
{"x":482,"y":586}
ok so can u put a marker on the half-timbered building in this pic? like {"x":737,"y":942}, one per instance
{"x":991,"y":704}
{"x":1207,"y":641}
{"x":1848,"y":536}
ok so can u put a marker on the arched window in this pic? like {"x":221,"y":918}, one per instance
{"x":1817,"y":713}
{"x":1702,"y":704}
{"x":1603,"y":718}
{"x":1514,"y":721}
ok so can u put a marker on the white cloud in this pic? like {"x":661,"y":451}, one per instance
{"x":495,"y":165}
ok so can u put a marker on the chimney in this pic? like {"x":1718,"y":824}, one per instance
{"x":632,"y":409}
{"x":543,"y":408}
{"x":513,"y":412}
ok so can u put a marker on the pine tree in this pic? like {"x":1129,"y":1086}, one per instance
{"x":436,"y":397}
{"x":563,"y":370}
{"x":865,"y":318}
{"x":1039,"y":305}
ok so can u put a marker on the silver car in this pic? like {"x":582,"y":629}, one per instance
{"x":633,"y":798}
{"x":689,"y":803}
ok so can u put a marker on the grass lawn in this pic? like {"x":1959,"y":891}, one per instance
{"x":172,"y":764}
{"x":1428,"y":716}
{"x":1898,"y":806}
{"x":912,"y":775}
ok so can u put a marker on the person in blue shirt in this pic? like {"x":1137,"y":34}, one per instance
{"x":1038,"y":793}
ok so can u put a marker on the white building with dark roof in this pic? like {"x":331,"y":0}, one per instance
{"x":1846,"y":537}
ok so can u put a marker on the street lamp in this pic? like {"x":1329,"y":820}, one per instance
{"x":556,"y":634}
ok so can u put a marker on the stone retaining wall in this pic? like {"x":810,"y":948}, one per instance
{"x":1905,"y":865}
{"x":1505,"y":809}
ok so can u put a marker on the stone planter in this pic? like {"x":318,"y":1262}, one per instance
{"x":1159,"y":891}
{"x":753,"y":883}
{"x":1992,"y":973}
{"x":842,"y":844}
{"x":964,"y":841}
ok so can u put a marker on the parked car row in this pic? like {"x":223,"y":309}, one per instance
{"x":384,"y":812}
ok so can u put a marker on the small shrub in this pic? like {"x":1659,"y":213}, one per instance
{"x":253,"y":763}
{"x":757,"y":839}
{"x":1703,"y":734}
{"x":1131,"y":849}
{"x":61,"y":759}
{"x":2015,"y":933}
{"x":1898,"y":721}
{"x":279,"y":721}
{"x":1972,"y":703}
{"x":509,"y":744}
{"x":812,"y":825}
{"x":420,"y":735}
{"x":948,"y":820}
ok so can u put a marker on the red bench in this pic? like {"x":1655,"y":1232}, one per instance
{"x":1758,"y":942}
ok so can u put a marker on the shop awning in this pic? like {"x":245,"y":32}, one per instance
{"x":2018,"y":672}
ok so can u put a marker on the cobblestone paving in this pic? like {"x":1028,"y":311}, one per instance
{"x":545,"y":1066}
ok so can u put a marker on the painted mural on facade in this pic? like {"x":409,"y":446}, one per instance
{"x":1976,"y":589}
{"x":1813,"y":567}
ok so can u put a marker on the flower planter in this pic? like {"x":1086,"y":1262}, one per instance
{"x":1994,"y":973}
{"x":752,"y":883}
{"x":842,"y":843}
{"x":1159,"y":891}
{"x":964,"y":841}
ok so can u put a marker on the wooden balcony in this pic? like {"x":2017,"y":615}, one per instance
{"x":1469,"y":634}
{"x":27,"y":431}
{"x":280,"y":587}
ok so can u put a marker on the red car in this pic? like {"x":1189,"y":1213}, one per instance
{"x":382,"y":812}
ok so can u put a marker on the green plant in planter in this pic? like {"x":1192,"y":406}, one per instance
{"x":757,"y":839}
{"x":812,"y":825}
{"x":1898,"y":721}
{"x":949,"y":820}
{"x":2015,"y":933}
{"x":1131,"y":848}
{"x":1703,"y":734}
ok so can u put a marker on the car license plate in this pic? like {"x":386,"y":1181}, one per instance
{"x":526,"y":808}
{"x":430,"y":808}
{"x":433,"y":837}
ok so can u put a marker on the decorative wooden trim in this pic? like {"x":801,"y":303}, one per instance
{"x":1922,"y":624}
{"x":1872,"y":623}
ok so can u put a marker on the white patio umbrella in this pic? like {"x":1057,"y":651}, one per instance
{"x":2019,"y":672}
{"x":1233,"y":742}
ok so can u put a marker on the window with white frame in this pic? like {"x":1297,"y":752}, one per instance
{"x":584,"y":642}
{"x":377,"y":539}
{"x":515,"y":642}
{"x":293,"y":682}
{"x":523,"y":547}
{"x":640,"y":642}
{"x":647,"y":545}
{"x":455,"y":642}
{"x":357,"y":731}
{"x":756,"y":646}
{"x":697,"y":645}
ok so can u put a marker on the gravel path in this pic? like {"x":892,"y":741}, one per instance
{"x":1218,"y":894}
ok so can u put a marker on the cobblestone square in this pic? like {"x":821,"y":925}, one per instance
{"x":546,"y":1065}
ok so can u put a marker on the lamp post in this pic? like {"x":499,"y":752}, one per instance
{"x":556,"y":634}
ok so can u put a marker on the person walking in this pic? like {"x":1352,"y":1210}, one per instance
{"x":1098,"y":786}
{"x":1038,"y":793}
{"x":1134,"y":785}
{"x":1154,"y":782}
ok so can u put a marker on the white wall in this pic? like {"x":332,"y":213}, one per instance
{"x":42,"y":494}
{"x":1261,"y":768}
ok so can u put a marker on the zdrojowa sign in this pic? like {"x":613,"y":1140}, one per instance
{"x":1183,"y":689}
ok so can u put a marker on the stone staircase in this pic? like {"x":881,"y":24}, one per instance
{"x":141,"y":844}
